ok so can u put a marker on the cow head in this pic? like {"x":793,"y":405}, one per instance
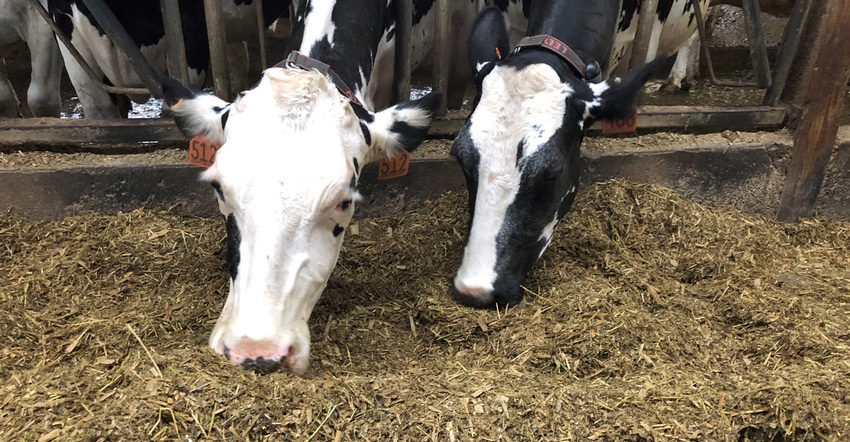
{"x":285,"y":176}
{"x":519,"y":152}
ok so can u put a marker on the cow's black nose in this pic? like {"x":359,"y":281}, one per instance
{"x":262,"y":365}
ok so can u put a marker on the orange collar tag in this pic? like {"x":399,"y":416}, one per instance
{"x":394,"y":167}
{"x":626,"y":125}
{"x":202,"y":151}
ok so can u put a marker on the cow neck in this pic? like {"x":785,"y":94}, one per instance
{"x":587,"y":72}
{"x":301,"y":61}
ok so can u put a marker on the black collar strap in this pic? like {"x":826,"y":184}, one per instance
{"x":299,"y":60}
{"x":588,"y":72}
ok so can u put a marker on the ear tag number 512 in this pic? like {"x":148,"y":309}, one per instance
{"x":202,"y":151}
{"x":394,"y":167}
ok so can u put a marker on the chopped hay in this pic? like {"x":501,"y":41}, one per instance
{"x":649,"y":318}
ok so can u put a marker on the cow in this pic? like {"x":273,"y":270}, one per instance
{"x":371,"y":77}
{"x":519,"y":148}
{"x":292,"y":151}
{"x":673,"y":27}
{"x":143,"y":23}
{"x":20,"y":22}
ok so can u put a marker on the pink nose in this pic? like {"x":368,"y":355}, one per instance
{"x":263,"y":356}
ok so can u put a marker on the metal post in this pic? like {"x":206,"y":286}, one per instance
{"x":116,"y":33}
{"x":403,"y":27}
{"x":787,"y":50}
{"x":177,"y":65}
{"x":755,"y":38}
{"x":261,"y":33}
{"x":646,"y":20}
{"x":441,"y":52}
{"x":218,"y":56}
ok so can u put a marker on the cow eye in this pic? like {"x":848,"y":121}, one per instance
{"x":344,"y":205}
{"x":217,"y":186}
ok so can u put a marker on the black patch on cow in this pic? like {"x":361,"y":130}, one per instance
{"x":143,"y":23}
{"x":345,"y":204}
{"x":409,"y":136}
{"x":664,"y":8}
{"x":233,"y":240}
{"x":217,"y":186}
{"x":224,"y":116}
{"x":519,"y":151}
{"x":468,"y":157}
{"x":356,"y":166}
{"x":362,"y":113}
{"x":174,"y":91}
{"x":366,"y":134}
{"x":338,"y":229}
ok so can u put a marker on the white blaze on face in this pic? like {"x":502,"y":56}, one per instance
{"x":516,"y":107}
{"x":318,"y":24}
{"x":284,"y":171}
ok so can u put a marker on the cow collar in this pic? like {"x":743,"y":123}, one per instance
{"x":301,"y":61}
{"x":588,"y":72}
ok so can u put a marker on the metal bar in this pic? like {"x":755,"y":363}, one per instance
{"x":787,"y":50}
{"x":755,"y":38}
{"x":441,"y":52}
{"x":703,"y":43}
{"x":96,"y":79}
{"x":261,"y":34}
{"x":646,"y":20}
{"x":177,"y":66}
{"x":116,"y":33}
{"x":403,"y":27}
{"x":53,"y":131}
{"x":218,"y":56}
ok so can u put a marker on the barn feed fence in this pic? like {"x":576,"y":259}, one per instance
{"x":53,"y":132}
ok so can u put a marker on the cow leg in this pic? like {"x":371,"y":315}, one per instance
{"x":685,"y":68}
{"x":237,"y":58}
{"x":97,"y":104}
{"x":9,"y":104}
{"x":43,"y":95}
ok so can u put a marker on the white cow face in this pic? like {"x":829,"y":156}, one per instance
{"x":285,"y":178}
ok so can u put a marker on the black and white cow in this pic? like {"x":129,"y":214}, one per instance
{"x":674,"y":28}
{"x":143,"y":22}
{"x":519,"y":149}
{"x":292,"y":152}
{"x":20,"y":22}
{"x":343,"y":34}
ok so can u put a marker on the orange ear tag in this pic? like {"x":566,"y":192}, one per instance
{"x":202,"y":151}
{"x":394,"y":167}
{"x":626,"y":125}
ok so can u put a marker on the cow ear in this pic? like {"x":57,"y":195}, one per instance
{"x":615,"y":98}
{"x":196,"y":113}
{"x":488,"y":39}
{"x":404,"y":125}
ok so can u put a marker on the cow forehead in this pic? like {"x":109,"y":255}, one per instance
{"x":289,"y":138}
{"x":518,"y":109}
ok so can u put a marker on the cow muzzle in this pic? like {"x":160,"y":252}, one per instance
{"x":262,"y":356}
{"x":480,"y":297}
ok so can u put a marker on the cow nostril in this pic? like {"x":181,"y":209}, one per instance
{"x":477,"y":299}
{"x":262,"y":365}
{"x":227,"y":352}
